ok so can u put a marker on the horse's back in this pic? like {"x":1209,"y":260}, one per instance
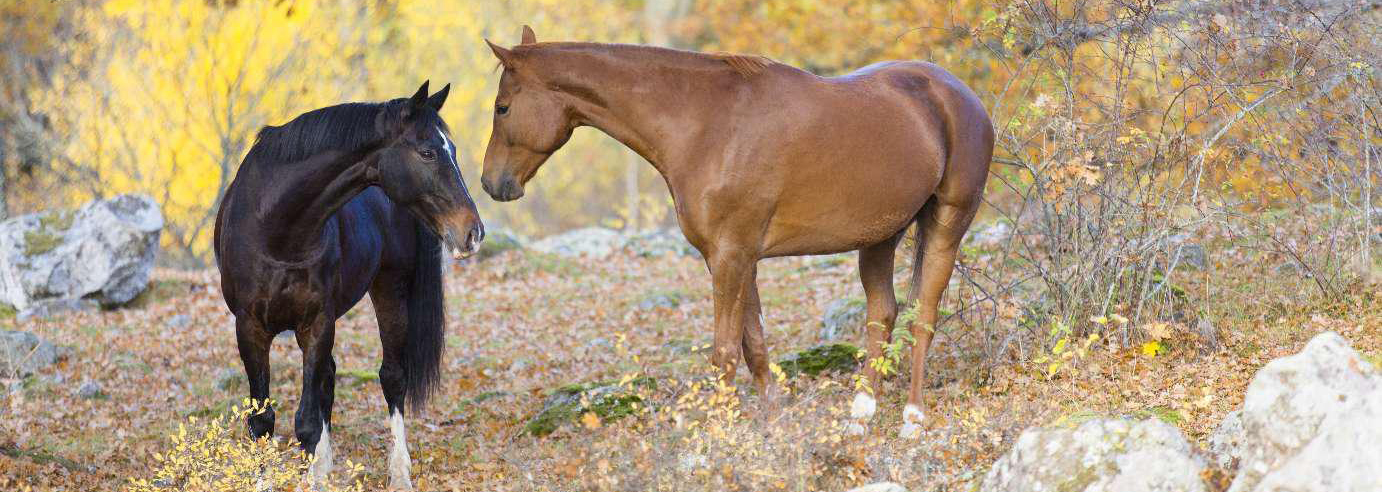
{"x":876,"y":143}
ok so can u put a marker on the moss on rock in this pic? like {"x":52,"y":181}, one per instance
{"x":834,"y":357}
{"x":608,"y":400}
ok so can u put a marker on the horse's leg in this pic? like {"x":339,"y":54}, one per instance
{"x":254,"y":341}
{"x":313,"y":420}
{"x":754,"y":346}
{"x":390,"y":310}
{"x":730,"y":272}
{"x":941,"y":226}
{"x":876,"y":274}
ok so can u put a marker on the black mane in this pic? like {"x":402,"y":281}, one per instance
{"x":340,"y":127}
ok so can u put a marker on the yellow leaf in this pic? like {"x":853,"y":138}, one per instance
{"x":590,"y":420}
{"x":1153,"y":348}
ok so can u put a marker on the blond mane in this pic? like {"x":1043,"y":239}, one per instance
{"x":746,"y":65}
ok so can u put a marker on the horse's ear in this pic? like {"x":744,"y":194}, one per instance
{"x":420,"y":97}
{"x":504,"y":55}
{"x":439,"y":98}
{"x":528,"y":36}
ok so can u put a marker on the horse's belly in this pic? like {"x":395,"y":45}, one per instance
{"x":845,"y":213}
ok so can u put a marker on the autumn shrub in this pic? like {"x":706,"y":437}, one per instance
{"x":1139,"y":141}
{"x":215,"y":455}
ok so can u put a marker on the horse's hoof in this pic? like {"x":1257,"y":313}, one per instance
{"x":863,"y":407}
{"x":910,"y":432}
{"x":912,"y":417}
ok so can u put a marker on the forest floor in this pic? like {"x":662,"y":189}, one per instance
{"x":523,"y":324}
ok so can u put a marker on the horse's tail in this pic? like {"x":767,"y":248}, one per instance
{"x":426,"y":322}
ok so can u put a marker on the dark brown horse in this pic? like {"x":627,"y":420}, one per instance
{"x":767,"y":160}
{"x":342,"y":201}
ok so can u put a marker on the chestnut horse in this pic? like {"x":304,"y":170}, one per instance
{"x":341,"y":201}
{"x":766,"y":160}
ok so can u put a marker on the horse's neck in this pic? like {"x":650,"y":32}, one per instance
{"x":645,"y":110}
{"x":296,"y":200}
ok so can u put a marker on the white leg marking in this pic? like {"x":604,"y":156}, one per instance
{"x":861,"y":411}
{"x":863,"y":407}
{"x":321,"y":461}
{"x":399,"y":462}
{"x":912,"y":418}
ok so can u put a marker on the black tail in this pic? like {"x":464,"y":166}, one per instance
{"x":426,"y":322}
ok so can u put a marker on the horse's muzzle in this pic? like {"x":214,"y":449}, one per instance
{"x":506,"y":190}
{"x":464,"y":240}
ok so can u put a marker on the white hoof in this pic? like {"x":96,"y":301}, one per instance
{"x":321,"y":459}
{"x":399,"y":462}
{"x":863,"y":407}
{"x":912,"y":418}
{"x":910,"y":432}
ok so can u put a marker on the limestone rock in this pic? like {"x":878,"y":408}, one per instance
{"x":102,"y":251}
{"x":1101,"y":455}
{"x":590,"y":242}
{"x":1310,"y":422}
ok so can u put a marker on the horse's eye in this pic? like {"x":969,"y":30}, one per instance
{"x":501,"y":109}
{"x":427,"y":154}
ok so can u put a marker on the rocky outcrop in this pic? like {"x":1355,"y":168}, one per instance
{"x":102,"y":251}
{"x":23,"y":353}
{"x":589,"y":242}
{"x":660,"y":243}
{"x":843,"y":317}
{"x":1310,"y":422}
{"x":1101,"y":455}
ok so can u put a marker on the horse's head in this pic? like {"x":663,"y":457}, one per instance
{"x":417,"y":169}
{"x":531,"y":121}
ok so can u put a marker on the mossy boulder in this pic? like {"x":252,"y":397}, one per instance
{"x":103,"y":251}
{"x":608,"y":400}
{"x":829,"y":358}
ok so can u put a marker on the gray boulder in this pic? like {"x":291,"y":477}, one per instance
{"x":843,"y":317}
{"x":660,"y":243}
{"x":990,"y":235}
{"x":1101,"y":455}
{"x":1310,"y":422}
{"x":590,"y":242}
{"x":22,"y":353}
{"x":661,"y":299}
{"x":102,"y":251}
{"x":1225,"y":440}
{"x":47,"y":308}
{"x":1192,"y":254}
{"x":90,"y":389}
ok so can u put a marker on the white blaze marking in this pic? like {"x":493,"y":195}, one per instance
{"x":321,"y":464}
{"x":450,"y":149}
{"x":399,"y":462}
{"x":863,"y":407}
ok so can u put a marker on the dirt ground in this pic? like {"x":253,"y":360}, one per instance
{"x":522,"y":323}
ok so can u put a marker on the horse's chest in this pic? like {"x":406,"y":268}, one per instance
{"x":287,"y":299}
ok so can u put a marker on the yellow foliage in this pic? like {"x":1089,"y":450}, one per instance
{"x":209,"y":456}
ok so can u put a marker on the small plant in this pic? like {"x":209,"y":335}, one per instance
{"x":1067,"y":349}
{"x":212,"y":456}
